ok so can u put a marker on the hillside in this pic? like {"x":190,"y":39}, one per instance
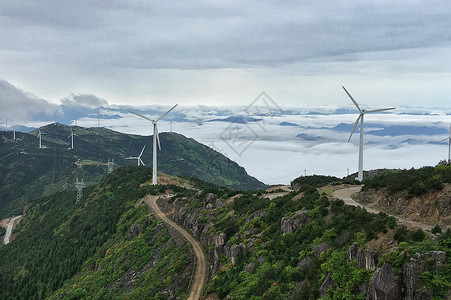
{"x":300,"y":245}
{"x":417,"y":194}
{"x":27,"y":172}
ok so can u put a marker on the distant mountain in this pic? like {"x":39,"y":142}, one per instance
{"x":237,"y":119}
{"x":27,"y":172}
{"x":393,"y":130}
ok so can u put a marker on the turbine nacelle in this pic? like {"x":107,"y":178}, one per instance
{"x":360,"y":118}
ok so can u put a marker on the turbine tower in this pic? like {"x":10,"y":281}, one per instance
{"x":360,"y":118}
{"x":156,"y":139}
{"x":14,"y":129}
{"x":79,"y":185}
{"x":71,"y":136}
{"x":40,"y":138}
{"x":138,"y":158}
{"x":449,"y":145}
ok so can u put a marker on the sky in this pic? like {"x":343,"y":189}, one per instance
{"x":227,"y":52}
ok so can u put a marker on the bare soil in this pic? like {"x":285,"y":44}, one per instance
{"x":201,"y":265}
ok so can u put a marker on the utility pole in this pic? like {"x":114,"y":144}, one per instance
{"x":79,"y":185}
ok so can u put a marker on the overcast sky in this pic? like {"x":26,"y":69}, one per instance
{"x":225,"y":51}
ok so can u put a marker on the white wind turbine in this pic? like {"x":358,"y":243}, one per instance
{"x":14,"y":129}
{"x":360,"y":118}
{"x":138,"y":158}
{"x":156,"y":139}
{"x":40,"y":138}
{"x":449,"y":144}
{"x":71,"y":136}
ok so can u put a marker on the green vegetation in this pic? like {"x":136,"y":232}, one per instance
{"x":89,"y":248}
{"x":2,"y":231}
{"x":413,"y":182}
{"x":27,"y":173}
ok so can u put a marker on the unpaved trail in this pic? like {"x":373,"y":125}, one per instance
{"x":345,"y":195}
{"x":286,"y":190}
{"x":201,"y":266}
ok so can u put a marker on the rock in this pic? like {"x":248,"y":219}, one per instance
{"x":237,"y":250}
{"x":292,"y":223}
{"x":384,"y":285}
{"x":365,"y":258}
{"x":218,"y":203}
{"x":352,"y":251}
{"x":210,"y":197}
{"x":320,"y":248}
{"x":296,"y":293}
{"x":220,"y":239}
{"x":340,"y":240}
{"x":134,"y":230}
{"x":250,"y":267}
{"x":431,"y":261}
{"x":305,"y":263}
{"x":327,"y":283}
{"x":261,"y":260}
{"x":209,"y":206}
{"x":257,"y":214}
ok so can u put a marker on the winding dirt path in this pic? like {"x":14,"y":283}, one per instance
{"x":345,"y":195}
{"x":201,"y":266}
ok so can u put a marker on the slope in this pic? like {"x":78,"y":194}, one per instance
{"x":27,"y":172}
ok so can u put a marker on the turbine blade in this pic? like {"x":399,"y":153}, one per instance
{"x":355,"y":102}
{"x":144,"y":117}
{"x":376,"y":110}
{"x":142,"y":152}
{"x":444,"y":140}
{"x":142,"y":162}
{"x":355,"y":125}
{"x":158,"y":136}
{"x":166,"y":113}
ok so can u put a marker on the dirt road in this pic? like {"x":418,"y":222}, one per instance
{"x":9,"y":228}
{"x":201,"y":265}
{"x":345,"y":195}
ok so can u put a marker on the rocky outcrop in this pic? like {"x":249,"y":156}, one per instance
{"x":365,"y":258}
{"x":293,"y":222}
{"x":384,"y":285}
{"x":327,"y":283}
{"x":431,"y":261}
{"x":134,"y":230}
{"x":305,"y":263}
{"x":320,"y":248}
{"x":433,"y":207}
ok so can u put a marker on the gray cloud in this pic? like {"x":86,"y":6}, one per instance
{"x":16,"y":104}
{"x":84,"y":100}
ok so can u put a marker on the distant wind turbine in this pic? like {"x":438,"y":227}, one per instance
{"x":156,"y":139}
{"x":360,"y":118}
{"x":449,"y":145}
{"x":40,"y":138}
{"x":138,"y":158}
{"x":14,"y":129}
{"x":71,"y":136}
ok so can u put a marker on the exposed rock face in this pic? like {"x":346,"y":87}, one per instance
{"x":257,"y":214}
{"x":292,"y":223}
{"x":327,"y":283}
{"x":365,"y":258}
{"x":340,"y":240}
{"x":305,"y":263}
{"x":320,"y":248}
{"x":431,"y":261}
{"x":384,"y":285}
{"x":134,"y":230}
{"x":433,"y":207}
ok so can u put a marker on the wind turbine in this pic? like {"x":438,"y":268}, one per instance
{"x":138,"y":158}
{"x":360,"y":118}
{"x":156,"y":139}
{"x":40,"y":138}
{"x":72,"y":136}
{"x":14,"y":129}
{"x":449,"y":145}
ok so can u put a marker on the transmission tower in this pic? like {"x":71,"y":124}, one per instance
{"x":79,"y":185}
{"x":110,"y":165}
